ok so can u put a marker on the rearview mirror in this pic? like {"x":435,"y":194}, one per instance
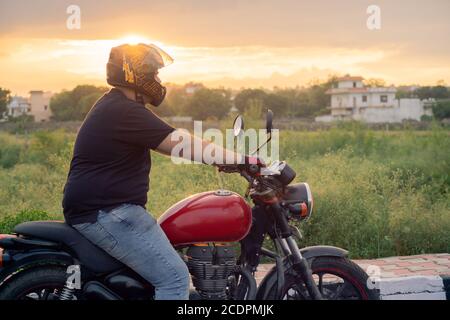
{"x":238,"y":125}
{"x":269,"y":118}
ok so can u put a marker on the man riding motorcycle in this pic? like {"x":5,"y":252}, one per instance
{"x":106,"y":189}
{"x":111,"y":248}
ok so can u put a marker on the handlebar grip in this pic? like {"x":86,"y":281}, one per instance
{"x":250,"y":160}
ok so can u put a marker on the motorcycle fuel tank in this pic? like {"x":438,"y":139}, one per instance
{"x":213,"y":216}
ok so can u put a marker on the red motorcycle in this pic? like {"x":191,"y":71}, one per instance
{"x":50,"y":260}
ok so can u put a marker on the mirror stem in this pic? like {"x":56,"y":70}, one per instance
{"x":268,"y":139}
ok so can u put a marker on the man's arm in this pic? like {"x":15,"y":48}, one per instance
{"x":167,"y":145}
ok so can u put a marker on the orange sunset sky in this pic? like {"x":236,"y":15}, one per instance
{"x":233,"y":43}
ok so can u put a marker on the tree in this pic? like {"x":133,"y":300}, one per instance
{"x":85,"y":104}
{"x":373,"y":82}
{"x":318,"y":99}
{"x":277,"y":103}
{"x":441,"y":110}
{"x":249,"y":97}
{"x":296,"y":101}
{"x":75,"y":104}
{"x":404,"y":94}
{"x":63,"y":106}
{"x":209,"y":103}
{"x":436,"y":92}
{"x":440,"y":92}
{"x":174,"y":103}
{"x":4,"y":100}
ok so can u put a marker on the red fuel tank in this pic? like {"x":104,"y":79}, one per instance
{"x":213,"y":216}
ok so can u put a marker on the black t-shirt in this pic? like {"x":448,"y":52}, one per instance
{"x":111,"y":159}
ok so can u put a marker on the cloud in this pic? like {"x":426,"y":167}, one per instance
{"x":233,"y":42}
{"x":284,"y":23}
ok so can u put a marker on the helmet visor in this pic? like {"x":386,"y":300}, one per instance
{"x":159,"y":56}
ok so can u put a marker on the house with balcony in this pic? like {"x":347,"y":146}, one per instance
{"x":352,"y":100}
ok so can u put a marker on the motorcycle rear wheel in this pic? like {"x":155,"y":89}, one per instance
{"x":337,"y":279}
{"x":39,"y":283}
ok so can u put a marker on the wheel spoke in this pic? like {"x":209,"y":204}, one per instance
{"x":339,"y":290}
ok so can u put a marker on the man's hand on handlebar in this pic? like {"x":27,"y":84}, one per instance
{"x":250,"y":164}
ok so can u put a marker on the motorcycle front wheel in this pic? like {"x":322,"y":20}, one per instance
{"x":337,"y":279}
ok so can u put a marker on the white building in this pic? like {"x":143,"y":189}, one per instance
{"x":17,"y":106}
{"x":36,"y":105}
{"x":352,"y":100}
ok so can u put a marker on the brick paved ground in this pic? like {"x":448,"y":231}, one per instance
{"x":393,"y":267}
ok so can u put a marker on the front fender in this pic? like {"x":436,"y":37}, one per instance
{"x":323,"y":251}
{"x":309,"y":253}
{"x":25,"y":260}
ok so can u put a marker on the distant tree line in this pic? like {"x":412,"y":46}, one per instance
{"x":201,"y":103}
{"x":437,"y":92}
{"x":206,"y":103}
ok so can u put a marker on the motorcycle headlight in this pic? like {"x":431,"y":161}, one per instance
{"x":299,"y":200}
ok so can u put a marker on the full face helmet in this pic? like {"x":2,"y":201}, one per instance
{"x":136,"y":67}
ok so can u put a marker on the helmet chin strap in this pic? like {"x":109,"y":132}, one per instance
{"x":138,"y":97}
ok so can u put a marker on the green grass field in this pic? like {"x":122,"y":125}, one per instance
{"x":376,"y":193}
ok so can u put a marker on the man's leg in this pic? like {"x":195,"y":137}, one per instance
{"x":131,"y":235}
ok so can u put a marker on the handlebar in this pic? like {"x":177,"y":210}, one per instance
{"x":252,"y":169}
{"x":251,"y":165}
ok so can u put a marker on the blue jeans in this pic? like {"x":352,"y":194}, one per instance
{"x":131,"y":235}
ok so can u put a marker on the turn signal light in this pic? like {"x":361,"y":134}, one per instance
{"x":303,"y":210}
{"x":300,"y":210}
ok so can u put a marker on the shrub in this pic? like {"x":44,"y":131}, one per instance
{"x":8,"y":222}
{"x":376,"y":193}
{"x":9,"y":156}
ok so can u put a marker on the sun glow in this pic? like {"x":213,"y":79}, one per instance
{"x":133,"y":40}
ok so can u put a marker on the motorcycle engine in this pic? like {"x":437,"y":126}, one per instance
{"x":210,"y":267}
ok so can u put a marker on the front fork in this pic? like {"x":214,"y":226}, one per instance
{"x":290,"y":248}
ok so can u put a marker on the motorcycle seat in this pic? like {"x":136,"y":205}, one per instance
{"x":89,"y":255}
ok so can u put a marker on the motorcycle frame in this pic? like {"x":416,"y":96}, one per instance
{"x":274,"y":277}
{"x":290,"y":256}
